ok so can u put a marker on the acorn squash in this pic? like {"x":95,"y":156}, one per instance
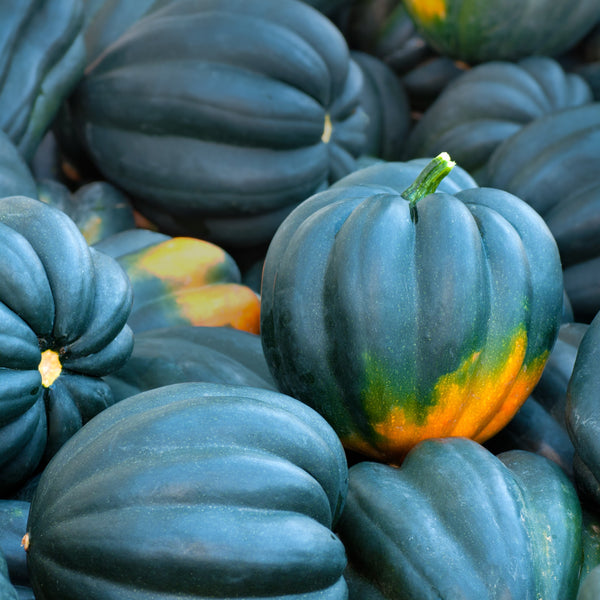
{"x":63,"y":314}
{"x":400,"y":320}
{"x":455,"y":521}
{"x":218,"y":117}
{"x":212,"y":491}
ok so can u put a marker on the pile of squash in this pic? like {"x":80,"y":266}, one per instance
{"x":299,"y":300}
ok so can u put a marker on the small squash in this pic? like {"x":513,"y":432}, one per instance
{"x":212,"y":491}
{"x":400,"y":319}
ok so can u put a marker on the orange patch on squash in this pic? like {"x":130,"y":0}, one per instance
{"x":182,"y":260}
{"x":475,"y":401}
{"x":428,"y":10}
{"x":221,"y":305}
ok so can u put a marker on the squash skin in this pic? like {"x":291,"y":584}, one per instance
{"x":238,"y":467}
{"x":44,"y":39}
{"x":490,"y":102}
{"x":191,"y":353}
{"x":62,"y":299}
{"x":479,"y":31}
{"x":248,"y":147}
{"x":386,"y":359}
{"x":582,"y":417}
{"x":552,"y":164}
{"x":457,"y":522}
{"x":7,"y":591}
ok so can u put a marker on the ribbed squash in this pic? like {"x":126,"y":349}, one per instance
{"x":401,"y":320}
{"x":182,"y":281}
{"x":212,"y":491}
{"x":219,"y":116}
{"x":552,"y":164}
{"x":480,"y":30}
{"x":13,"y":526}
{"x":490,"y":102}
{"x":455,"y":521}
{"x":63,"y":317}
{"x":43,"y":58}
{"x":190,"y":353}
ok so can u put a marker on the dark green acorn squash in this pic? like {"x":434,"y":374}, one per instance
{"x":188,"y":353}
{"x":400,"y":321}
{"x":63,"y":316}
{"x":42,"y":59}
{"x":210,"y":491}
{"x":490,"y":102}
{"x":219,"y":116}
{"x":552,"y":164}
{"x":583,"y":413}
{"x":480,"y":30}
{"x":455,"y":521}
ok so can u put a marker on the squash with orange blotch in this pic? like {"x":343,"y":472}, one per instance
{"x":404,"y":319}
{"x":182,"y":281}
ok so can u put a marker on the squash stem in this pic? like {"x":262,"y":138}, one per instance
{"x":427,"y":181}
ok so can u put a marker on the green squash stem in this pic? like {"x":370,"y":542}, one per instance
{"x":427,"y":181}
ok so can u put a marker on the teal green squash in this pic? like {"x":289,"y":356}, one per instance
{"x":386,"y":103}
{"x":213,"y":491}
{"x":222,"y":139}
{"x":43,"y":58}
{"x":189,"y":353}
{"x":583,"y":415}
{"x":399,"y":322}
{"x":489,"y":103}
{"x":481,"y":31}
{"x":63,"y":314}
{"x":552,"y":164}
{"x":455,"y":521}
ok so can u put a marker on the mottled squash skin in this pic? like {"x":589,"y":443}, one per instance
{"x":400,"y":323}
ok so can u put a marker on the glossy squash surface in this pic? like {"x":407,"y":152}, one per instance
{"x":223,"y":115}
{"x":399,"y":326}
{"x":214,"y":491}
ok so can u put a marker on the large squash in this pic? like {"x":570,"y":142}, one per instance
{"x":208,"y":491}
{"x":219,"y":116}
{"x":457,"y":522}
{"x":400,"y":320}
{"x":63,"y":316}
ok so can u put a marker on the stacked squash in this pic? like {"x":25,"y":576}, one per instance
{"x":261,"y":336}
